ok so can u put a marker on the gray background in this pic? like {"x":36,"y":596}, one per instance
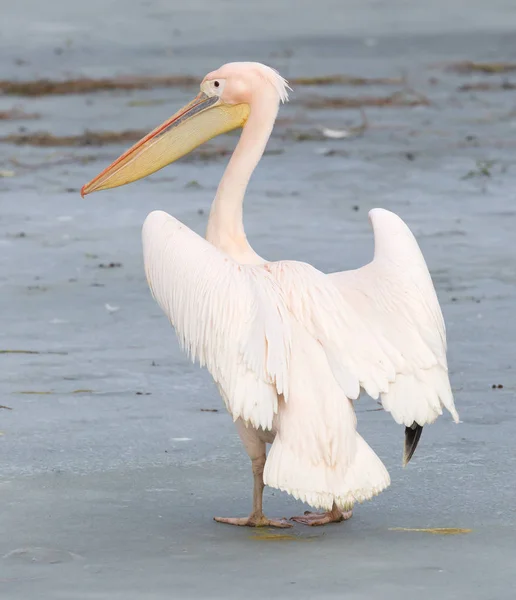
{"x":110,"y":470}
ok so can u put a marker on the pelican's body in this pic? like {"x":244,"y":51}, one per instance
{"x":290,"y":347}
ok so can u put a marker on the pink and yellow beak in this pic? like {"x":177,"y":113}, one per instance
{"x":199,"y":121}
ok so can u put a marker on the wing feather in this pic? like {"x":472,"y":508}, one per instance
{"x":230,"y":318}
{"x":395,"y":295}
{"x":381,"y":326}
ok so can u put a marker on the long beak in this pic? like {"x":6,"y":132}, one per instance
{"x":197,"y":122}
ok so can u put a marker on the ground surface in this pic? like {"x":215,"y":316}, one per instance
{"x":110,"y":468}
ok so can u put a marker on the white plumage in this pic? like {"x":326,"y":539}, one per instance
{"x":290,"y":347}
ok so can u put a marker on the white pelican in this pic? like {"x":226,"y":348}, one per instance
{"x":289,"y":347}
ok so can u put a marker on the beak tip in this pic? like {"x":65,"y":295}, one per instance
{"x":83,"y":190}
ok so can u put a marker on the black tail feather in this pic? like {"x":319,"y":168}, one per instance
{"x":412,"y":435}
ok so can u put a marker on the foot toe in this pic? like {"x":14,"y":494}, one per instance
{"x":242,"y":522}
{"x":316,"y":519}
{"x":280,"y":523}
{"x":254,"y":522}
{"x":311,"y":521}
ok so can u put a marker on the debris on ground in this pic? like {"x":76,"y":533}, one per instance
{"x":44,"y":139}
{"x":32,"y":352}
{"x":110,"y":308}
{"x":350,"y":132}
{"x":487,"y":86}
{"x":335,"y":134}
{"x":52,"y":161}
{"x":483,"y":169}
{"x":16,"y":114}
{"x":47,"y":87}
{"x":468,"y":67}
{"x":400,"y":98}
{"x":346,"y":80}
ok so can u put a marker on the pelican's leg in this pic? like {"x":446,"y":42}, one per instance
{"x":256,"y":450}
{"x":335,"y":515}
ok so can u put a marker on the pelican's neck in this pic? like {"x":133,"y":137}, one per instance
{"x":225,"y":224}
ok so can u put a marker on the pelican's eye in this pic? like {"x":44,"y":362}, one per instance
{"x":217,"y":86}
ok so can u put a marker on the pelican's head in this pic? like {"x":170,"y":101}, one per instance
{"x":224,"y":103}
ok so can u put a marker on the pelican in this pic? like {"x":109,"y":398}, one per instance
{"x":289,"y":347}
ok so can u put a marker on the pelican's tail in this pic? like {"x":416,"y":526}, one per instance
{"x":317,"y":455}
{"x":319,"y":485}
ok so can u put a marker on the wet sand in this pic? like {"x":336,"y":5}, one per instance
{"x":112,"y":467}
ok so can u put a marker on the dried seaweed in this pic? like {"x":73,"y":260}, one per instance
{"x":16,"y":114}
{"x":487,"y":86}
{"x":346,"y":80}
{"x":32,"y":352}
{"x":45,"y":139}
{"x":468,"y":67}
{"x":402,"y":98}
{"x":66,"y":159}
{"x":46,"y":87}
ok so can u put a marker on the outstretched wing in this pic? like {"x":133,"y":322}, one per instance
{"x":395,"y":295}
{"x":232,"y":318}
{"x":380,"y":326}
